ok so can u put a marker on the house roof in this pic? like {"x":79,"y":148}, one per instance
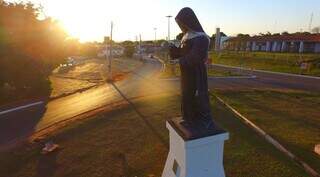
{"x":287,"y":37}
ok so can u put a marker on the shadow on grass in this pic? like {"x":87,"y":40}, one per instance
{"x":47,"y":165}
{"x":119,"y":143}
{"x":251,"y":152}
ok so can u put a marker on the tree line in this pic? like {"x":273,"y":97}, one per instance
{"x":30,"y":48}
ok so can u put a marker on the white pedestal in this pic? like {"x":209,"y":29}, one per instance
{"x":198,"y":157}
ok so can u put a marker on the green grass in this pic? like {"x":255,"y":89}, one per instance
{"x":168,"y":72}
{"x":279,"y":62}
{"x":290,"y":117}
{"x":119,"y":143}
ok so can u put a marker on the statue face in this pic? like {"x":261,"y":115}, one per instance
{"x":183,"y":27}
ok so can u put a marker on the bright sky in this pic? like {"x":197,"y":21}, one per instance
{"x":90,"y":20}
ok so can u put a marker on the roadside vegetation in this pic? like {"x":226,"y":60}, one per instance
{"x":278,"y":62}
{"x":120,"y":143}
{"x":291,"y":117}
{"x":31,"y":46}
{"x":172,"y":71}
{"x":89,"y":73}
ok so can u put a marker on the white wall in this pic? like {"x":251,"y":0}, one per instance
{"x":222,"y":41}
{"x":317,"y":48}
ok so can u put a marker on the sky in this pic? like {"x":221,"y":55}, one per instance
{"x":89,"y":20}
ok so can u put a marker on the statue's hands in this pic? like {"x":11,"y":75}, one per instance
{"x":174,"y":52}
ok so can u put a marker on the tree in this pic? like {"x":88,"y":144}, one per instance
{"x":160,"y":41}
{"x":243,"y":35}
{"x":129,"y":48}
{"x":129,"y":51}
{"x":89,"y":49}
{"x":125,"y":43}
{"x":285,"y":33}
{"x":29,"y":49}
{"x":316,"y":30}
{"x":213,"y":39}
{"x":222,"y":34}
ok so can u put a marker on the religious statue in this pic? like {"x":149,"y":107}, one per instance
{"x":193,"y":55}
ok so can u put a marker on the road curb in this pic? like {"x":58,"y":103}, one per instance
{"x":74,"y":92}
{"x":269,"y":139}
{"x":45,"y":100}
{"x":30,"y":136}
{"x":21,"y":107}
{"x":218,"y":77}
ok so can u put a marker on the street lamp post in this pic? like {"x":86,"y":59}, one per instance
{"x":155,"y":34}
{"x":110,"y":56}
{"x":173,"y":66}
{"x":140,"y":47}
{"x":169,"y":16}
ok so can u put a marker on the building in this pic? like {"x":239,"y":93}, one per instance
{"x":296,"y":43}
{"x":217,"y":40}
{"x":75,"y":60}
{"x":222,"y":41}
{"x":117,"y":51}
{"x":147,"y":48}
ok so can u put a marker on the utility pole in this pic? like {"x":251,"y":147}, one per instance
{"x":110,"y":55}
{"x":173,"y":66}
{"x":169,"y":16}
{"x":310,"y":23}
{"x":140,"y":51}
{"x":155,"y":34}
{"x":140,"y":41}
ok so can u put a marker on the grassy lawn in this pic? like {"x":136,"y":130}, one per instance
{"x":64,"y":86}
{"x":120,"y":143}
{"x":168,"y":72}
{"x":290,"y":117}
{"x":279,"y":62}
{"x":89,"y":74}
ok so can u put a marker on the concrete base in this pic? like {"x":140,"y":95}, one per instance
{"x":194,"y":156}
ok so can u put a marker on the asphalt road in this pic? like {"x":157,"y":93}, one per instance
{"x":140,"y":83}
{"x":17,"y":124}
{"x":265,"y":80}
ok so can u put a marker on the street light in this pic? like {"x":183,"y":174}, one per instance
{"x":173,"y":66}
{"x":155,"y":34}
{"x":110,"y":56}
{"x":169,"y":16}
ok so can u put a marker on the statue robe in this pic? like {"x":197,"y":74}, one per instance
{"x":193,"y":54}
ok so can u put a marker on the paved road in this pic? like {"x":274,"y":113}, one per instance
{"x":19,"y":123}
{"x":140,"y":83}
{"x":266,"y":80}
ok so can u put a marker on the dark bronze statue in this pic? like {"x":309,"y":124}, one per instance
{"x":192,"y":55}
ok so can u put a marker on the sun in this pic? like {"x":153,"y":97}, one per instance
{"x":84,"y":21}
{"x":90,"y":20}
{"x":82,"y":31}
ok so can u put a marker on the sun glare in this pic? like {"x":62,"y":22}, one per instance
{"x":85,"y":21}
{"x":89,"y":21}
